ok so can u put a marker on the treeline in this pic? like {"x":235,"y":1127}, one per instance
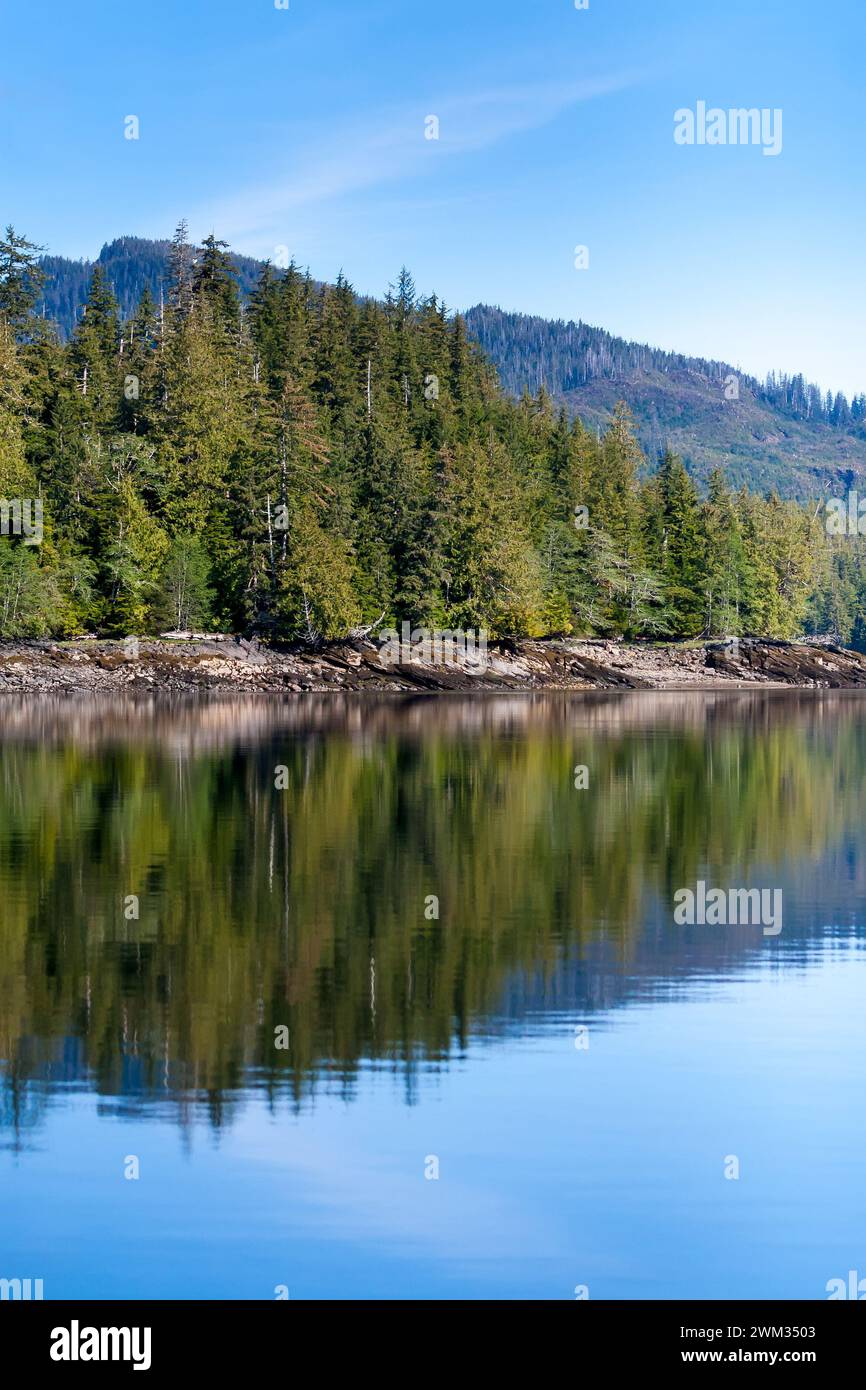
{"x":567,"y":356}
{"x":313,"y":462}
{"x":129,"y":263}
{"x":526,"y":350}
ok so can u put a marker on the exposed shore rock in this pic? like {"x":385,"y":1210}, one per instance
{"x":88,"y":665}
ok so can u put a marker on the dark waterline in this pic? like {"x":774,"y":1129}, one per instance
{"x":582,"y":1069}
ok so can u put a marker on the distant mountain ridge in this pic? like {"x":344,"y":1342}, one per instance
{"x":130,"y":263}
{"x":783,"y":433}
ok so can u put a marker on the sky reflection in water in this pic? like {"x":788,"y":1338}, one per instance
{"x":410,"y":1037}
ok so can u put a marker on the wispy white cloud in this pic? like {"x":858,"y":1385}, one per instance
{"x":360,"y":155}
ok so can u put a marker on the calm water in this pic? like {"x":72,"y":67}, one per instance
{"x":580,"y":1068}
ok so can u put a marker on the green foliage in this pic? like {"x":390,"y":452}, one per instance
{"x":317,"y":599}
{"x":28,"y":593}
{"x":682,"y":558}
{"x":304,"y":462}
{"x":21,"y":279}
{"x":185,"y":594}
{"x":133,"y":563}
{"x":782,"y":432}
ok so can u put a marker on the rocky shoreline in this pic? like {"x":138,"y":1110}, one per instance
{"x":90,"y":665}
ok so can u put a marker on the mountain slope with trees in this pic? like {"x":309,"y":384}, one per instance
{"x":306,"y":461}
{"x":782,"y":433}
{"x":130,"y":264}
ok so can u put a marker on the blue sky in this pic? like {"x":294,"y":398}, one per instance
{"x":305,"y":128}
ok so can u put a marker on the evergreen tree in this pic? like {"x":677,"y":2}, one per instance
{"x":683,"y":546}
{"x":21,"y":279}
{"x":185,"y":595}
{"x":16,"y":476}
{"x":307,"y":461}
{"x":724,"y":561}
{"x":94,"y":355}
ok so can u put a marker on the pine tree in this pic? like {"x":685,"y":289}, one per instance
{"x":94,"y":355}
{"x":310,"y":461}
{"x":724,"y":561}
{"x":21,"y":279}
{"x":214,"y":284}
{"x":683,"y":546}
{"x":16,"y":476}
{"x":180,"y":266}
{"x":185,"y":594}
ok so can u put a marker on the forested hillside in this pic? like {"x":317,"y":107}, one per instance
{"x":310,"y":461}
{"x":129,"y":264}
{"x":782,"y":433}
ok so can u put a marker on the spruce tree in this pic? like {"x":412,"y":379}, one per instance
{"x":683,"y":546}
